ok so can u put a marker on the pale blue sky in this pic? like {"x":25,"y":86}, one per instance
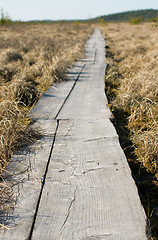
{"x":70,"y":9}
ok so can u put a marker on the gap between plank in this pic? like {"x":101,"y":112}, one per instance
{"x":69,"y":92}
{"x":43,"y":183}
{"x":95,"y":54}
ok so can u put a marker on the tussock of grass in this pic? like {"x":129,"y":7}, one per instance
{"x":6,"y":74}
{"x":26,"y":92}
{"x":12,"y":56}
{"x":12,"y":130}
{"x":134,"y":55}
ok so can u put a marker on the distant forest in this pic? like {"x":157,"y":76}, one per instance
{"x":145,"y":15}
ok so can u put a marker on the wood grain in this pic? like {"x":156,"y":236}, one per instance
{"x":26,"y":175}
{"x":89,"y":191}
{"x":52,"y":100}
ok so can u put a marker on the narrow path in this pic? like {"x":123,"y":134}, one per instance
{"x":75,"y":183}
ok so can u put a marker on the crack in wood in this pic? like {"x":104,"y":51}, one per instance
{"x":100,"y":138}
{"x":97,"y":237}
{"x":69,"y":129}
{"x":68,"y":212}
{"x":95,"y":169}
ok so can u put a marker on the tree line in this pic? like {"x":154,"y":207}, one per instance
{"x":143,"y":15}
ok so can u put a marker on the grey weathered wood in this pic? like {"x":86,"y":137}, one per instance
{"x":27,"y":169}
{"x":88,"y":98}
{"x":89,"y":192}
{"x":51,"y":101}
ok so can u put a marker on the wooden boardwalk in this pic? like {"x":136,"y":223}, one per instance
{"x":75,"y":183}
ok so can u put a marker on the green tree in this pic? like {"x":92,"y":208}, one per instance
{"x":76,"y":24}
{"x":102,"y":21}
{"x":4,"y":17}
{"x":154,"y":19}
{"x":136,"y":20}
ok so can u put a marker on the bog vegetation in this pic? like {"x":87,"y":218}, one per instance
{"x":32,"y":57}
{"x":132,"y":89}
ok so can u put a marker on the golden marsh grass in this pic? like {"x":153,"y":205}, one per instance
{"x":135,"y":49}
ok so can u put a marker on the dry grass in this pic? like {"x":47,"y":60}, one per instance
{"x":136,"y":58}
{"x":132,"y":84}
{"x":32,"y":57}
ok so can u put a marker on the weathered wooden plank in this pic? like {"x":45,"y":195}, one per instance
{"x":50,"y":103}
{"x":27,"y":169}
{"x":89,"y":192}
{"x":88,"y":98}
